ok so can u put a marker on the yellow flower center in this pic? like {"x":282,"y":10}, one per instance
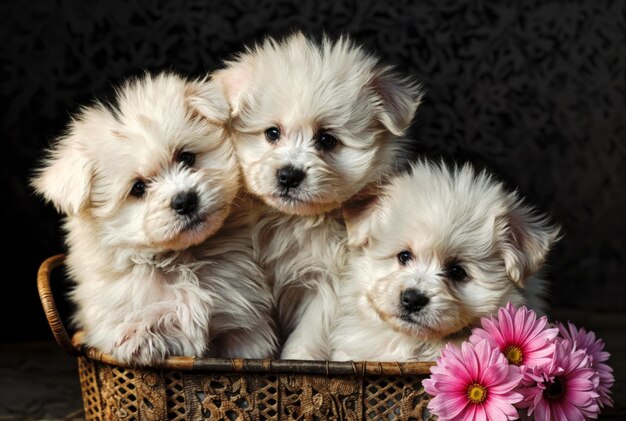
{"x":513,"y":354}
{"x":476,"y":393}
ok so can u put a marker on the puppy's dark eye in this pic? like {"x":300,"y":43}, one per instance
{"x":187,"y":158}
{"x":404,"y":257}
{"x":138,"y":189}
{"x":325,"y":141}
{"x":455,"y":272}
{"x":272,"y":134}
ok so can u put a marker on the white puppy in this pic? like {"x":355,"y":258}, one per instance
{"x":144,"y":182}
{"x":313,"y":123}
{"x":430,"y":254}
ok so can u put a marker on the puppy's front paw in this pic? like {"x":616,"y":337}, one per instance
{"x":139,"y":347}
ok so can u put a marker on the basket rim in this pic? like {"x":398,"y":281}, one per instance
{"x":267,"y":366}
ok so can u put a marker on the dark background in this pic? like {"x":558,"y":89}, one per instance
{"x":535,"y":90}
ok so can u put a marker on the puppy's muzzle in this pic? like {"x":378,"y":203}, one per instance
{"x":185,"y":203}
{"x":289,"y":177}
{"x":413,"y":300}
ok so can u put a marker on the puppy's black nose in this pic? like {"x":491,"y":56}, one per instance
{"x":413,"y":300}
{"x":289,"y":177}
{"x":185,"y":203}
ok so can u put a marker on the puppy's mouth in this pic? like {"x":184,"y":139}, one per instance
{"x":429,"y":325}
{"x":290,"y":199}
{"x":298,"y":202}
{"x":289,"y":196}
{"x":195,"y":223}
{"x":289,"y":192}
{"x":408,"y":323}
{"x":415,"y":320}
{"x":194,"y":229}
{"x":414,"y":324}
{"x":408,"y":317}
{"x":204,"y":221}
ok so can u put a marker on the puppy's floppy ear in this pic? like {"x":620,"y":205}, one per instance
{"x":235,"y":80}
{"x":358,"y":213}
{"x":65,"y":178}
{"x":399,"y":98}
{"x":206,"y":98}
{"x":526,"y":239}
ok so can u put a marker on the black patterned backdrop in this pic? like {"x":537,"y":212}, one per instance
{"x":535,"y":90}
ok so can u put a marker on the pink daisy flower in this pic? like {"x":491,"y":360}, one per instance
{"x":563,"y":390}
{"x":595,"y":349}
{"x":474,"y":382}
{"x":519,"y":335}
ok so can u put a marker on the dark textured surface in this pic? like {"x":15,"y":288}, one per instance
{"x":535,"y":90}
{"x":38,"y":381}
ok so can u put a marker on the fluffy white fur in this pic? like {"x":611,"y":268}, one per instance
{"x":309,"y":91}
{"x":445,"y":219}
{"x":150,"y":281}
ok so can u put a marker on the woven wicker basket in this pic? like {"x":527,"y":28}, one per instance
{"x":188,"y":388}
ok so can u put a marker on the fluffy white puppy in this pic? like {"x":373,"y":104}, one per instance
{"x":430,"y":254}
{"x":313,"y":123}
{"x":144,"y":182}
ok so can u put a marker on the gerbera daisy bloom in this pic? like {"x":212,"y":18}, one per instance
{"x":595,"y":349}
{"x":563,"y":390}
{"x":519,"y":335}
{"x":474,"y":382}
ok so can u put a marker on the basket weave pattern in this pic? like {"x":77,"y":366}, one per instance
{"x":114,"y":392}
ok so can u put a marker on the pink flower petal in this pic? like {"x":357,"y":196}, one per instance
{"x":457,"y":369}
{"x":578,"y":398}
{"x":492,"y":330}
{"x":506,"y":394}
{"x":544,"y":351}
{"x":448,"y":405}
{"x":494,"y":375}
{"x":591,"y":411}
{"x":479,"y":413}
{"x":571,"y":413}
{"x":447,"y":384}
{"x":579,"y":384}
{"x":541,"y":410}
{"x":557,"y":412}
{"x":471,"y":362}
{"x":429,"y":386}
{"x":506,"y":325}
{"x":522,"y":322}
{"x":499,"y":409}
